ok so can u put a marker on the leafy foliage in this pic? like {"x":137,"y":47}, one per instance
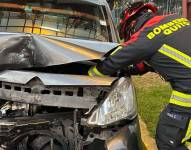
{"x":164,"y":6}
{"x":152,"y":96}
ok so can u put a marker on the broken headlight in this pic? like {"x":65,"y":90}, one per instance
{"x":120,"y":104}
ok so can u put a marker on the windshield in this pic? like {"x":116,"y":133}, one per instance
{"x":55,"y":18}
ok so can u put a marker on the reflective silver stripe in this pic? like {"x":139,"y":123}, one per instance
{"x":176,"y":55}
{"x":180,"y":99}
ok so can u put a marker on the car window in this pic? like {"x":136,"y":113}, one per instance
{"x":73,"y":20}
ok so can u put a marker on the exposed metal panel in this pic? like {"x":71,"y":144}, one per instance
{"x":59,"y":96}
{"x":48,"y":100}
{"x":23,"y":77}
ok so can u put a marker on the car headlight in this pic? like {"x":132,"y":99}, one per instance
{"x":119,"y":104}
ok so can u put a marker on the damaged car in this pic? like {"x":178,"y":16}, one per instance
{"x":47,"y":100}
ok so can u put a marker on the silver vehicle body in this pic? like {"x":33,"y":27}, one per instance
{"x":47,"y":97}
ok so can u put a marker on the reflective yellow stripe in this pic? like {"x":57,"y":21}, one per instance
{"x":180,"y":99}
{"x":180,"y":94}
{"x":179,"y":103}
{"x":118,"y":48}
{"x":176,"y":55}
{"x":177,"y":51}
{"x":90,"y":73}
{"x":94,"y":72}
{"x":97,"y":73}
{"x":188,"y":133}
{"x":188,"y":145}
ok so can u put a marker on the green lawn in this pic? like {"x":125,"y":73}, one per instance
{"x":152,"y":95}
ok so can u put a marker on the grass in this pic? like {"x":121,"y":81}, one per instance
{"x":152,"y":96}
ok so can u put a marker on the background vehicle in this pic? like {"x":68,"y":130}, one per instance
{"x":47,"y":100}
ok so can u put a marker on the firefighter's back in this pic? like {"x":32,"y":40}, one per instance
{"x":173,"y":56}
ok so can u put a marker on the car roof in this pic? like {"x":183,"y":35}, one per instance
{"x":98,"y":2}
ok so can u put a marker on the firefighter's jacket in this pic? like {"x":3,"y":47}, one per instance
{"x":164,"y":43}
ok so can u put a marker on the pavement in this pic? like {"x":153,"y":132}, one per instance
{"x":148,"y":141}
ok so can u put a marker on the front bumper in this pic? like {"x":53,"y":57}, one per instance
{"x":128,"y":138}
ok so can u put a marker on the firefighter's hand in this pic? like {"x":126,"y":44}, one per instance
{"x":94,"y":72}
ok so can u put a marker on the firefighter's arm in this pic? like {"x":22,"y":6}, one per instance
{"x":137,"y":49}
{"x":121,"y":58}
{"x":135,"y":69}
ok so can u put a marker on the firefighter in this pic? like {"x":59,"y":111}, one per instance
{"x":162,"y":44}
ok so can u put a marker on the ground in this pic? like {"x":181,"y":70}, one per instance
{"x":153,"y":94}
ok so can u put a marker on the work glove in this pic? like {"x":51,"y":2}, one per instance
{"x":94,"y":72}
{"x":140,"y":69}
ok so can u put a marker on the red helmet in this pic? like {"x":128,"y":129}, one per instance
{"x":129,"y":16}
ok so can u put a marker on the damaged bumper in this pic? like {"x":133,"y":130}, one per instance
{"x":127,"y":138}
{"x":28,"y":90}
{"x":69,"y":91}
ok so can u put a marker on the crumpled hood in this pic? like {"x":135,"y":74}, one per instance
{"x":21,"y":50}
